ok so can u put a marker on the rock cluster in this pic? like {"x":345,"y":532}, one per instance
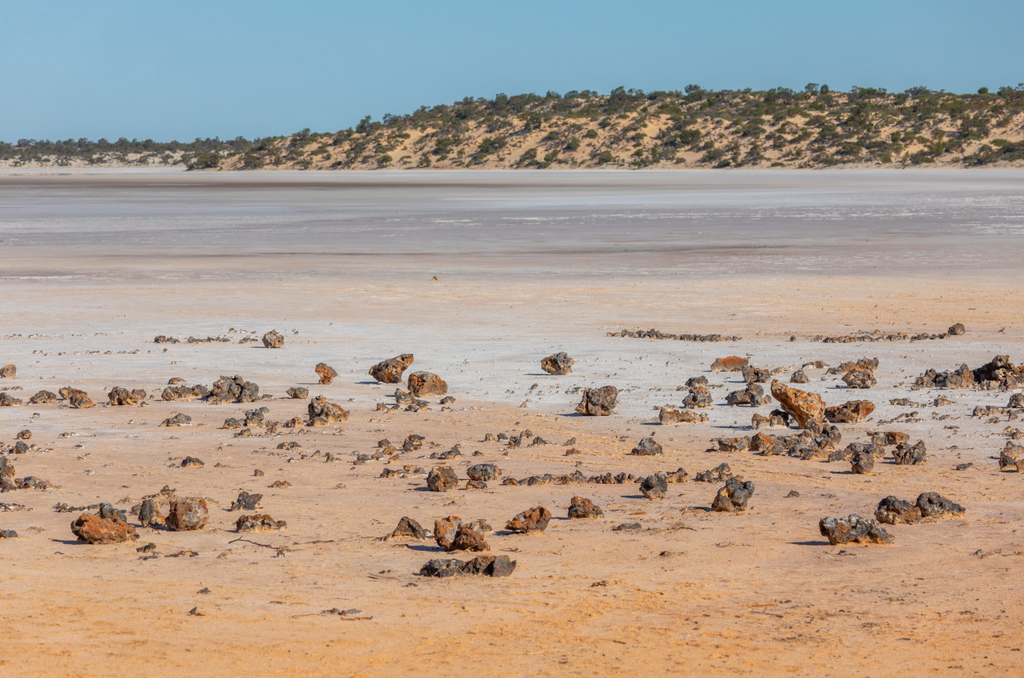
{"x":426,"y":384}
{"x":233,"y":390}
{"x":997,"y":374}
{"x":657,"y":334}
{"x":488,"y":566}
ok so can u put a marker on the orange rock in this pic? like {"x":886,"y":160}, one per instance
{"x":426,"y":384}
{"x":390,"y":371}
{"x":801,"y":405}
{"x":326,"y":372}
{"x":92,"y":529}
{"x":733,"y":363}
{"x":852,"y":412}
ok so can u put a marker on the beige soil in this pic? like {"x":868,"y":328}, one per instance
{"x":691,"y":593}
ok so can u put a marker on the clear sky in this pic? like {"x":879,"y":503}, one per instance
{"x":180,"y":69}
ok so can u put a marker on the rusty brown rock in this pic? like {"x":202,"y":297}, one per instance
{"x":852,"y":412}
{"x":273,"y":339}
{"x":259,"y":523}
{"x":558,"y":364}
{"x":76,"y":398}
{"x":598,"y":402}
{"x":732,"y":363}
{"x":671,"y":415}
{"x":580,"y":508}
{"x":469,"y":539}
{"x":188,"y":514}
{"x":442,"y":479}
{"x":8,"y":372}
{"x":426,"y":384}
{"x":326,"y":373}
{"x":445,"y":531}
{"x":323,"y":412}
{"x":531,"y":520}
{"x":120,"y":396}
{"x":390,"y":371}
{"x":801,"y":405}
{"x":92,"y":529}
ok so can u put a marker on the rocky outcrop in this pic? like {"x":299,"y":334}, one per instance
{"x":598,"y":402}
{"x":426,"y":384}
{"x":801,"y":405}
{"x":326,"y":373}
{"x":734,"y":496}
{"x":559,"y":364}
{"x":853,"y":529}
{"x":390,"y":371}
{"x":535,"y":519}
{"x":273,"y":339}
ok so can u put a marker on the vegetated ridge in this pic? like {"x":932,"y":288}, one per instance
{"x":815,"y":128}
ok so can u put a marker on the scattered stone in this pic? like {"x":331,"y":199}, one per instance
{"x":76,"y":398}
{"x":7,"y":400}
{"x":277,"y":484}
{"x":792,"y":494}
{"x":531,"y":520}
{"x":390,"y":371}
{"x":323,"y":412}
{"x":259,"y":523}
{"x":426,"y":384}
{"x":182,"y":392}
{"x":862,"y":462}
{"x":187,"y":514}
{"x":799,"y":377}
{"x":934,"y":505}
{"x":755,"y":375}
{"x":734,"y":496}
{"x":476,"y":485}
{"x":777,"y":419}
{"x":273,"y":339}
{"x":699,"y":397}
{"x":43,"y":398}
{"x":657,"y":334}
{"x":893,"y":511}
{"x":907,"y":455}
{"x":654,"y":486}
{"x":598,"y":402}
{"x":859,"y":379}
{"x":883,"y":438}
{"x":627,"y":527}
{"x":298,"y":392}
{"x":802,"y":406}
{"x":488,"y":566}
{"x":25,"y":434}
{"x":483,"y":472}
{"x":326,"y":373}
{"x":192,"y":462}
{"x":956,"y":329}
{"x":233,"y":389}
{"x":852,"y":412}
{"x":1011,"y":455}
{"x":120,"y":396}
{"x":732,"y":363}
{"x":246,"y":501}
{"x":149,"y":514}
{"x":469,"y":539}
{"x":8,"y":534}
{"x":409,"y":529}
{"x":647,"y":447}
{"x":177,"y":420}
{"x":442,"y":479}
{"x":753,"y":395}
{"x":8,"y":372}
{"x":580,"y":508}
{"x":720,"y":473}
{"x":558,"y":364}
{"x":92,"y":529}
{"x":670,"y":415}
{"x":853,"y":529}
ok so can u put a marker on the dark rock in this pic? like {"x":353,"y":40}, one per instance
{"x":580,"y":508}
{"x":469,"y":539}
{"x":799,"y":377}
{"x":859,"y":379}
{"x":852,"y":412}
{"x":647,"y":447}
{"x":734,"y":496}
{"x":598,"y":402}
{"x":233,"y":389}
{"x":298,"y":392}
{"x":906,"y":455}
{"x":119,"y":396}
{"x":192,"y":462}
{"x":752,"y":395}
{"x":853,"y":529}
{"x":719,"y":474}
{"x":426,"y":384}
{"x":442,"y":479}
{"x":43,"y":397}
{"x":8,"y":372}
{"x":933,"y":505}
{"x":323,"y":412}
{"x":259,"y":523}
{"x":476,"y":485}
{"x":559,"y":364}
{"x":25,"y":434}
{"x":246,"y":501}
{"x":483,"y":472}
{"x":149,"y":515}
{"x":862,"y":462}
{"x":699,"y":398}
{"x":177,"y":420}
{"x":754,"y":375}
{"x":893,"y":511}
{"x":654,"y":486}
{"x":532,"y":520}
{"x":408,"y":529}
{"x":7,"y":400}
{"x":187,"y":514}
{"x":442,"y":567}
{"x":273,"y":339}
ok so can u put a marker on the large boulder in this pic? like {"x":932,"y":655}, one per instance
{"x":426,"y":384}
{"x":390,"y":371}
{"x":442,"y":479}
{"x":187,"y":514}
{"x":801,"y":405}
{"x":93,"y":529}
{"x":734,"y":496}
{"x":598,"y":402}
{"x":531,"y":520}
{"x":558,"y":364}
{"x":853,"y":529}
{"x":273,"y":339}
{"x":326,"y":373}
{"x":852,"y":412}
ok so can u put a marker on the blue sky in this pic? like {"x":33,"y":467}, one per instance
{"x":183,"y":69}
